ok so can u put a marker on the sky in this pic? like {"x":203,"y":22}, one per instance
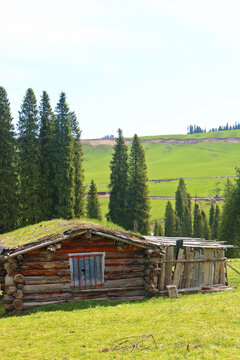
{"x":149,"y":67}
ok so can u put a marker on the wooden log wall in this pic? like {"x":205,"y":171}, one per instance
{"x":192,"y":268}
{"x":46,"y":275}
{"x":2,"y":275}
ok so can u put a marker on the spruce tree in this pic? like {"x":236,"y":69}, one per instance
{"x":46,"y":141}
{"x":215,"y":225}
{"x":229,"y":224}
{"x":155,"y":230}
{"x":158,"y":230}
{"x":8,"y":178}
{"x":187,"y":222}
{"x":169,"y":219}
{"x":64,"y":172}
{"x":118,"y":182}
{"x":183,"y":210}
{"x":197,"y":222}
{"x":205,"y":226}
{"x":78,"y":168}
{"x":178,"y":226}
{"x":28,"y":159}
{"x":93,"y":207}
{"x":138,"y":203}
{"x":179,"y":203}
{"x":211,"y":218}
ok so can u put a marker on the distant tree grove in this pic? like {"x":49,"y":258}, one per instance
{"x":41,"y":174}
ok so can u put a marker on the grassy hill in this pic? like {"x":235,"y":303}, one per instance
{"x":172,"y":160}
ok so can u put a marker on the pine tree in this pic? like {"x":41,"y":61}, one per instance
{"x":46,"y":141}
{"x":28,"y":156}
{"x":169,"y":219}
{"x":179,"y":204}
{"x":178,"y":226}
{"x":118,"y":182}
{"x":229,"y":224}
{"x":160,"y":230}
{"x":197,"y":222}
{"x":215,"y":225}
{"x":155,"y":230}
{"x":8,"y":178}
{"x":211,"y":218}
{"x":64,"y":174}
{"x":187,"y":222}
{"x":205,"y":226}
{"x":93,"y":207}
{"x":138,"y":203}
{"x":183,"y":210}
{"x":79,"y":174}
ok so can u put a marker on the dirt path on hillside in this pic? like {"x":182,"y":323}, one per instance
{"x":185,"y":178}
{"x":111,"y":142}
{"x":105,"y":195}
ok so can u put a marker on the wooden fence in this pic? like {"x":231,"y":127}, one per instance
{"x":192,"y":268}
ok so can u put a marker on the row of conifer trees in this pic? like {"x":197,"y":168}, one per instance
{"x":41,"y":174}
{"x":181,"y":222}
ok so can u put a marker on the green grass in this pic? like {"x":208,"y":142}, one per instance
{"x":208,"y":323}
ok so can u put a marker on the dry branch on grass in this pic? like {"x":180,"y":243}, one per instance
{"x":131,"y":343}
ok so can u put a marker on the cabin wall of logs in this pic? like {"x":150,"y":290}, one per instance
{"x":43,"y":276}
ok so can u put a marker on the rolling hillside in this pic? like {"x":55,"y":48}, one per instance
{"x":197,"y":162}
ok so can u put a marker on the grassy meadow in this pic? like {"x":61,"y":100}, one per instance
{"x":166,"y":161}
{"x":191,"y":327}
{"x":195,"y":162}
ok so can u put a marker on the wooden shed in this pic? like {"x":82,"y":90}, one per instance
{"x":95,"y":262}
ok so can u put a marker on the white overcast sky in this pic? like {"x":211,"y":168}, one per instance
{"x":150,"y":67}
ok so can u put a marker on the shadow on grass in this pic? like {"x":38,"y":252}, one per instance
{"x":70,"y":306}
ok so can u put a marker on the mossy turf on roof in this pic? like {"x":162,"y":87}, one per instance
{"x":47,"y":229}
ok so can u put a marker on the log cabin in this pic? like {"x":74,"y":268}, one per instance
{"x":94,"y":262}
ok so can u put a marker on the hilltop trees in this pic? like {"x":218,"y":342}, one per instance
{"x":28,"y":156}
{"x":8,"y":178}
{"x":93,"y":207}
{"x":138,"y":203}
{"x":118,"y":182}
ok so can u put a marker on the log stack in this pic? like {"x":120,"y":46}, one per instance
{"x":13,"y":286}
{"x":152,"y":271}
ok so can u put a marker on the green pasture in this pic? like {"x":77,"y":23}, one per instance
{"x":196,"y":326}
{"x":166,"y":161}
